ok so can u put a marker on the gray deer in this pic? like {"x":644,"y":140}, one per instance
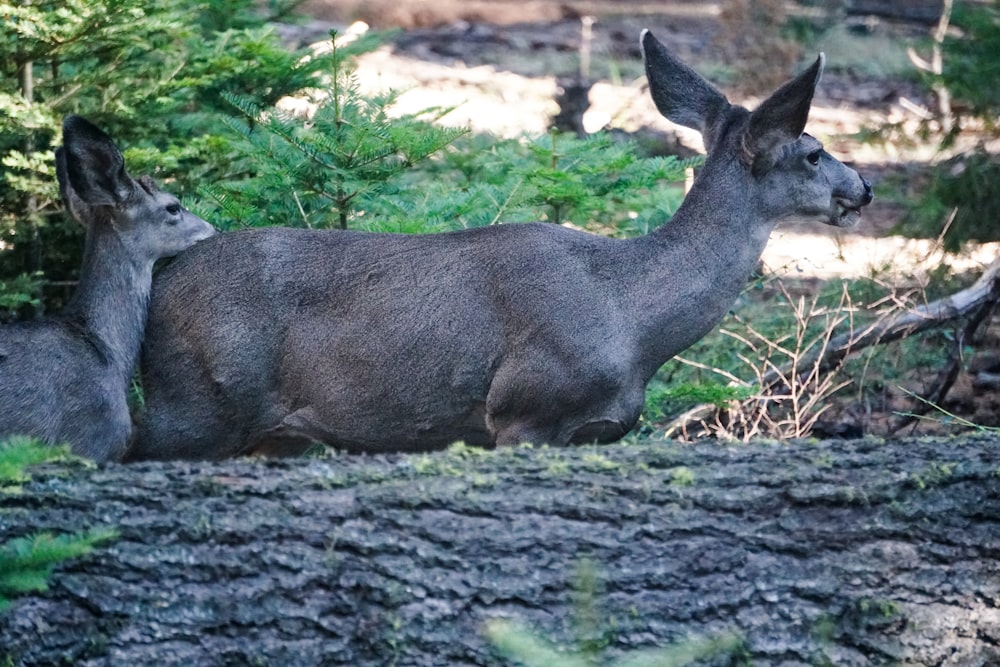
{"x":266,"y":341}
{"x":65,"y":379}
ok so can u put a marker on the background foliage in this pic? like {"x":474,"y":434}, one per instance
{"x":151,"y":74}
{"x":963,"y":198}
{"x":190,"y":90}
{"x":26,"y":563}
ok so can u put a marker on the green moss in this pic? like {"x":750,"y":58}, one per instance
{"x":681,"y":476}
{"x":599,"y":462}
{"x":878,"y":609}
{"x":933,"y":475}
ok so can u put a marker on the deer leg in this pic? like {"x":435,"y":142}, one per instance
{"x":293,"y":436}
{"x":518,"y":415}
{"x":559,"y":411}
{"x":523,"y":406}
{"x":188,"y":420}
{"x":601,"y":430}
{"x":197,"y":435}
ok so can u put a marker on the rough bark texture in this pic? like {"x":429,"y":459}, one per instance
{"x":838,"y":552}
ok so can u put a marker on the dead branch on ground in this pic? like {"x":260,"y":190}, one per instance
{"x":976,"y":302}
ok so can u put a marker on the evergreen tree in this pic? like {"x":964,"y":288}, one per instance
{"x":151,"y":73}
{"x":964,"y":195}
{"x":318,"y":169}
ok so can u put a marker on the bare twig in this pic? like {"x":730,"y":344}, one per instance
{"x":788,"y":407}
{"x":916,"y":320}
{"x":808,"y":373}
{"x":946,"y":378}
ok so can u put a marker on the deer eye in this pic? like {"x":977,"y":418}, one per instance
{"x":813,"y":158}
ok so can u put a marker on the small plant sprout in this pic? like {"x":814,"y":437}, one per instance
{"x":520,"y":645}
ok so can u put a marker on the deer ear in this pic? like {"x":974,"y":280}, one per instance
{"x":93,"y":166}
{"x":76,"y":206}
{"x":680,"y":93}
{"x":781,"y":118}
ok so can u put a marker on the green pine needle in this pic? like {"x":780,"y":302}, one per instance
{"x":17,"y":453}
{"x":26,"y":563}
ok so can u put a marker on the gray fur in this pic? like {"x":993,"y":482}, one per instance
{"x":65,"y":379}
{"x":266,"y":341}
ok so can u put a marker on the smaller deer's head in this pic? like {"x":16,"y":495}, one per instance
{"x":788,"y":174}
{"x":100,"y":193}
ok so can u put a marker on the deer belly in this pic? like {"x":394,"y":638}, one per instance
{"x":362,"y":400}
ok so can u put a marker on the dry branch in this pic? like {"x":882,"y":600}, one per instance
{"x":921,"y":318}
{"x":978,"y":298}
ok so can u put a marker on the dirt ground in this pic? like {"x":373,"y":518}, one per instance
{"x":501,"y":63}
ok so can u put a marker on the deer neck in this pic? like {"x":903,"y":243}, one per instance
{"x":111,"y":299}
{"x":695,"y":266}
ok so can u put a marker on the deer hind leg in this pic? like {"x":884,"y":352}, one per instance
{"x":180,"y":431}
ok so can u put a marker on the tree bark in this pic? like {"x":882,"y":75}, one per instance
{"x":834,"y":552}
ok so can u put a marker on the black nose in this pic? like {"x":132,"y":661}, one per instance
{"x":869,"y":195}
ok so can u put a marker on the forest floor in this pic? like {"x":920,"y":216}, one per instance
{"x":500,"y":64}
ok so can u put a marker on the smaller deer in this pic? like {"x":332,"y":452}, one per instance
{"x":65,"y":379}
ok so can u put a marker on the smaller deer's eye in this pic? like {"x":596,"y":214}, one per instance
{"x":813,"y":158}
{"x":174,"y":209}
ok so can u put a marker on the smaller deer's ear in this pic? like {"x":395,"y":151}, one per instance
{"x":93,"y":166}
{"x":680,"y":93}
{"x":76,"y":206}
{"x":781,"y":118}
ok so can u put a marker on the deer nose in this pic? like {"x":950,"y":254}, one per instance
{"x":868,"y":195}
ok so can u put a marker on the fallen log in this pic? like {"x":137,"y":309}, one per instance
{"x":837,"y":552}
{"x":918,"y":11}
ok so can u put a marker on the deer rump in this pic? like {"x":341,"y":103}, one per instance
{"x":377,"y":342}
